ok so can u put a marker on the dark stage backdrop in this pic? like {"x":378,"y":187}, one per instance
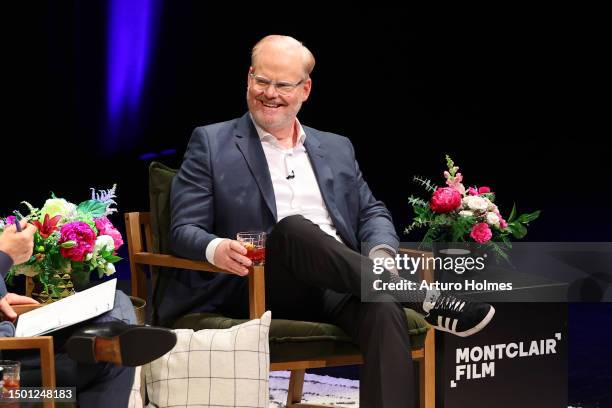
{"x":516,"y":100}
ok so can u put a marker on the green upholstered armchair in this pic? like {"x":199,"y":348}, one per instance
{"x":294,"y":345}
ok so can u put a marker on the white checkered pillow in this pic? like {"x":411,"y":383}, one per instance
{"x":135,"y":395}
{"x":214,"y":368}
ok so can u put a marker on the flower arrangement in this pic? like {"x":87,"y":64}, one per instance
{"x":457,"y":214}
{"x":70,"y":239}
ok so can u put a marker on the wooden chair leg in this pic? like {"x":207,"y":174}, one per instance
{"x":296,"y":385}
{"x":427,"y":373}
{"x":47,"y":364}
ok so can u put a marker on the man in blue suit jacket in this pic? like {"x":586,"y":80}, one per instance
{"x":267,"y":172}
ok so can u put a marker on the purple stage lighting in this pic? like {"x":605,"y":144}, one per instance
{"x":130,"y":37}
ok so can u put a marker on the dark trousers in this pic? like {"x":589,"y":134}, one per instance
{"x":312,"y":276}
{"x":98,"y":385}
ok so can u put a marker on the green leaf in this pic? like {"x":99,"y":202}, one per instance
{"x":490,"y":196}
{"x":527,"y":218}
{"x":417,"y":202}
{"x":113,"y":259}
{"x":106,"y":252}
{"x":426,"y":183}
{"x":512,"y":213}
{"x":517,"y":230}
{"x":94,"y":207}
{"x":461,"y":228}
{"x":424,"y":212}
{"x":506,"y":240}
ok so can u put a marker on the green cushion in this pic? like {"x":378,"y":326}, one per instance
{"x":297,"y":340}
{"x":160,"y":180}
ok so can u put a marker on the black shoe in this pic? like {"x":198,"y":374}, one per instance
{"x":459,"y":316}
{"x":119,"y":343}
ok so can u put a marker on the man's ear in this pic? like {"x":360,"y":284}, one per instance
{"x":307,"y":87}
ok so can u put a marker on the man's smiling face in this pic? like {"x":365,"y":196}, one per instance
{"x":271,"y":110}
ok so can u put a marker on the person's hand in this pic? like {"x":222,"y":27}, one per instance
{"x":229,"y":255}
{"x":13,"y":299}
{"x":18,"y":245}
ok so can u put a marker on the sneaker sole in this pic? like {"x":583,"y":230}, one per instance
{"x":134,"y":347}
{"x":483,"y":323}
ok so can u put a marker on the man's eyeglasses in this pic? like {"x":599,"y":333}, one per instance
{"x":282,"y":87}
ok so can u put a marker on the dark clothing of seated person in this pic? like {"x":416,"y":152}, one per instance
{"x":101,"y":378}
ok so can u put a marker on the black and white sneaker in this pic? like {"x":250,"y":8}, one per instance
{"x":459,"y":316}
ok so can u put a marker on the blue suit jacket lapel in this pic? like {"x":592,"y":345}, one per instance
{"x":249,"y":145}
{"x":325,"y":178}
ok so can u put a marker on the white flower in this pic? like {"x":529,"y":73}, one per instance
{"x":466,"y":213}
{"x":103,"y":242}
{"x":57,"y":206}
{"x":110,"y":269}
{"x":493,"y":219}
{"x":476,"y":203}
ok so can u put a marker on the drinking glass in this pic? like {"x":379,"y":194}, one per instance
{"x":255,"y":244}
{"x":9,"y":381}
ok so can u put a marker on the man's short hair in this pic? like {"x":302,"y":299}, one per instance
{"x":307,"y":57}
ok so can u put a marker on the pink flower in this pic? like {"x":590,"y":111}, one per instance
{"x":455,"y":182}
{"x":503,"y":224}
{"x":10,"y":219}
{"x":445,"y":199}
{"x":472,"y":191}
{"x":481,"y":233}
{"x":483,"y":190}
{"x":105,"y":227}
{"x":83,"y":236}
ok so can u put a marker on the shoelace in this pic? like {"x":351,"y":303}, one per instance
{"x":450,"y":303}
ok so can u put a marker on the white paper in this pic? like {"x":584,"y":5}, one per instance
{"x":71,"y":310}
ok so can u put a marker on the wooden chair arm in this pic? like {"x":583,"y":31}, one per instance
{"x":21,"y":309}
{"x":140,"y":258}
{"x":257,"y":291}
{"x":152,"y":259}
{"x":45,"y":346}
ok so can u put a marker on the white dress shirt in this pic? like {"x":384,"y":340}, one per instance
{"x":296,"y":189}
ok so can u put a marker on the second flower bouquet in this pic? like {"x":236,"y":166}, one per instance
{"x":456,"y":214}
{"x":71,"y":242}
